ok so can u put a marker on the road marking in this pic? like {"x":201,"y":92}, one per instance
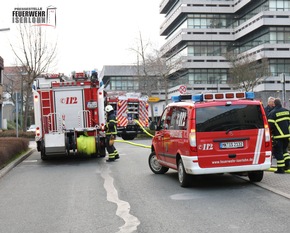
{"x":30,"y":161}
{"x":185,"y":196}
{"x":123,"y":207}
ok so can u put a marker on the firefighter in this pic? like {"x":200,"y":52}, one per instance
{"x":279,"y":119}
{"x":111,"y":133}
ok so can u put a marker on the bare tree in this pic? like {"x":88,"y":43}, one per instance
{"x":146,"y":81}
{"x":155,"y":70}
{"x":35,"y":55}
{"x":162,"y":68}
{"x":246,"y":71}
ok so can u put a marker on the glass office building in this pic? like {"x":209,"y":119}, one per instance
{"x":201,"y":32}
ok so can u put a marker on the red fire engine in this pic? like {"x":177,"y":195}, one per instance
{"x":131,"y":111}
{"x":69,"y":116}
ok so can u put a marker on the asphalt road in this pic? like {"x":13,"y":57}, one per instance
{"x":91,"y":195}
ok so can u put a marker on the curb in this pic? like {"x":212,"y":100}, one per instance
{"x":14,"y":163}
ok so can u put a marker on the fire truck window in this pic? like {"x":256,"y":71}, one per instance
{"x":233,"y":117}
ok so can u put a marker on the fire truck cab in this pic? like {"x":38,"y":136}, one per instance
{"x":69,"y":116}
{"x":212,"y":133}
{"x":131,"y":111}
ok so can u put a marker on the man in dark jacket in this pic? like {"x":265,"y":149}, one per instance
{"x":279,"y":121}
{"x":270,"y":105}
{"x":111,"y":133}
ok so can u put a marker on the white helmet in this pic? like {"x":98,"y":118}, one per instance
{"x":109,"y":108}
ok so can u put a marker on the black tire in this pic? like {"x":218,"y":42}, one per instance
{"x":128,"y":136}
{"x":102,"y":152}
{"x":155,"y":165}
{"x":183,"y":177}
{"x":67,"y":146}
{"x":42,"y":151}
{"x":256,"y":176}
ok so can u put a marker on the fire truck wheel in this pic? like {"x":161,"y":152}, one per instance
{"x":183,"y":177}
{"x":42,"y":152}
{"x":128,"y":136}
{"x":256,"y":176}
{"x":155,"y":165}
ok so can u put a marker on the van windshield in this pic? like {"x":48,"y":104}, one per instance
{"x":227,"y":118}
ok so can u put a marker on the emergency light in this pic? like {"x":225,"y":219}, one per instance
{"x":215,"y":96}
{"x":52,"y":76}
{"x":80,"y":75}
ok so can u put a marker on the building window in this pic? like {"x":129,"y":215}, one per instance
{"x":207,"y":48}
{"x":209,"y":21}
{"x":202,"y":76}
{"x":279,"y":66}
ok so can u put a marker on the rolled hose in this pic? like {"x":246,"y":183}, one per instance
{"x":86,"y":144}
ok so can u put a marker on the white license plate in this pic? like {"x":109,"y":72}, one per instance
{"x":226,"y":145}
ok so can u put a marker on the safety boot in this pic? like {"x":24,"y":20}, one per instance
{"x":110,"y":160}
{"x":280,"y":170}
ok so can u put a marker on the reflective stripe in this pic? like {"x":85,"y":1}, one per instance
{"x":113,"y":121}
{"x":284,"y":113}
{"x":282,"y":136}
{"x":258,"y":146}
{"x":286,"y":156}
{"x":112,"y":155}
{"x":283,"y":119}
{"x":280,"y":163}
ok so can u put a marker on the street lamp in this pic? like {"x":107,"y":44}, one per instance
{"x":283,"y":81}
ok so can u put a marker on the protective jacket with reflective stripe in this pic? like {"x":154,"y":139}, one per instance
{"x":279,"y":120}
{"x":111,"y":125}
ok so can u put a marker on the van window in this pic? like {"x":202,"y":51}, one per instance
{"x":232,"y":117}
{"x":178,"y":119}
{"x":164,"y":120}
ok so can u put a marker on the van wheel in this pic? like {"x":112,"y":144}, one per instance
{"x":155,"y":165}
{"x":183,"y":177}
{"x":256,"y":176}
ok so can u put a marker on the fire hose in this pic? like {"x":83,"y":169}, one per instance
{"x":137,"y":144}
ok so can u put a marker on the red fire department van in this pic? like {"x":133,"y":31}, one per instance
{"x":212,"y":133}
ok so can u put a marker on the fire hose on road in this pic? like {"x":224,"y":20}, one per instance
{"x":137,"y":144}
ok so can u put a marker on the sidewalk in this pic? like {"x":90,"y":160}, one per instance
{"x":277,"y":183}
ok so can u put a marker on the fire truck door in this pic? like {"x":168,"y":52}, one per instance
{"x":70,"y":104}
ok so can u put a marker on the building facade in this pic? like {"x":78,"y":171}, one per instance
{"x":201,"y":32}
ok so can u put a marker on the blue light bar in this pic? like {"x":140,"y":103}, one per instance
{"x":176,"y":98}
{"x":250,"y":95}
{"x":197,"y":98}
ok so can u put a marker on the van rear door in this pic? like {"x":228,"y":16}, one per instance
{"x":230,"y":133}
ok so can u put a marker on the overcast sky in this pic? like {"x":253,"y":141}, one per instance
{"x":90,"y":34}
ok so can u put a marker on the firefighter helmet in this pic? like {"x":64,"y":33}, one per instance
{"x":109,"y":108}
